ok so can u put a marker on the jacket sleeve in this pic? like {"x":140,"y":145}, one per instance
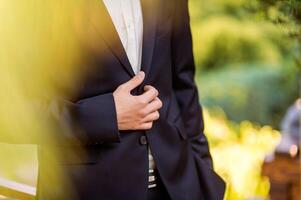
{"x":184,"y":85}
{"x":64,"y":122}
{"x":93,"y":120}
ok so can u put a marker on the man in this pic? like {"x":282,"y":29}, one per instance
{"x":137,"y":109}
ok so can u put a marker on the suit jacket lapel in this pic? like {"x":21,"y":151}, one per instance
{"x":101,"y":20}
{"x":149,"y":12}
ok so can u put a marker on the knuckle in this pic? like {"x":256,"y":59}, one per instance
{"x":137,"y":124}
{"x":138,"y":100}
{"x":142,"y":101}
{"x":160,"y":103}
{"x":121,"y":87}
{"x":148,"y":125}
{"x":142,"y":113}
{"x":156,"y":92}
{"x":157,"y":114}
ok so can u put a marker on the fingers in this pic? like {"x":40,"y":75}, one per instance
{"x":146,"y":126}
{"x":153,"y":106}
{"x":151,"y":117}
{"x":134,"y":82}
{"x":149,"y":95}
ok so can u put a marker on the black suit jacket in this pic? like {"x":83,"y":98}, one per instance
{"x":110,"y":164}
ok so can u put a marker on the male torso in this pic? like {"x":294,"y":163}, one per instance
{"x":114,"y":163}
{"x":128,"y":22}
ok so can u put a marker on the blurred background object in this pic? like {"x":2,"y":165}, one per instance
{"x":248,"y":57}
{"x":248,"y":63}
{"x":251,"y":62}
{"x":238,"y":151}
{"x":38,"y":57}
{"x":291,"y":123}
{"x":283,"y":166}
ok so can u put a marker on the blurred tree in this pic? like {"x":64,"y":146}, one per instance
{"x":247,"y":52}
{"x":286,"y":14}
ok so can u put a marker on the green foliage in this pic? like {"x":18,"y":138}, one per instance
{"x":231,"y":31}
{"x":252,"y":93}
{"x":285,"y":14}
{"x":246,"y":58}
{"x":278,"y":11}
{"x":223,"y":40}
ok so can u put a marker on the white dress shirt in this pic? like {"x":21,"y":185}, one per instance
{"x":127,"y":19}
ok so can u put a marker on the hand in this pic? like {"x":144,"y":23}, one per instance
{"x":136,"y":112}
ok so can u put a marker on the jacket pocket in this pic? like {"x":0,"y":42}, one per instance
{"x":212,"y":184}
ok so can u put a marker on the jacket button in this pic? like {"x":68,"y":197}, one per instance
{"x":143,"y":140}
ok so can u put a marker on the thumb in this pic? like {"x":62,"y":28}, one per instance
{"x":135,"y":81}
